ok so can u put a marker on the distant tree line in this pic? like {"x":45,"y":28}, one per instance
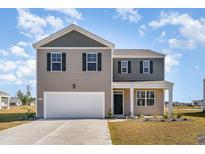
{"x":27,"y":97}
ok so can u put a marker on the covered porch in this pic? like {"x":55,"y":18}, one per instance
{"x":145,"y":97}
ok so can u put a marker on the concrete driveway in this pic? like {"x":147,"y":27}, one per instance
{"x":58,"y":132}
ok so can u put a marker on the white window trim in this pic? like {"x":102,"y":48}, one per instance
{"x":91,"y":62}
{"x":146,"y":61}
{"x":124,"y":61}
{"x":55,"y":62}
{"x":146,"y":98}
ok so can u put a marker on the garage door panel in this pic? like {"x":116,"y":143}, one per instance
{"x":74,"y":105}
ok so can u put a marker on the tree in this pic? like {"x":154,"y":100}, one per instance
{"x":25,"y":98}
{"x":19,"y":94}
{"x":28,"y":90}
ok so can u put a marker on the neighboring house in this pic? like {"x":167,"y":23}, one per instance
{"x":4,"y":100}
{"x":80,"y":75}
{"x":197,"y":102}
{"x":15,"y":102}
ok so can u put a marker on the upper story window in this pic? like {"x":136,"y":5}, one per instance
{"x":56,"y":61}
{"x":146,"y":66}
{"x":145,"y":98}
{"x":91,"y":62}
{"x":124,"y":66}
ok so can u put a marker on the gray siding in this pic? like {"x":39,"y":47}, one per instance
{"x":135,"y":75}
{"x":74,"y":39}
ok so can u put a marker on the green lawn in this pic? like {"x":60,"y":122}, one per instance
{"x":13,"y":116}
{"x":136,"y":132}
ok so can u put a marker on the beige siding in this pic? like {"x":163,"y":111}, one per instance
{"x":158,"y":109}
{"x":63,"y":81}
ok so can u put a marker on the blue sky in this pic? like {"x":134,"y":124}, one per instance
{"x":178,"y":33}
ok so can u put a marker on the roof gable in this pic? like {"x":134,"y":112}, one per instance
{"x":74,"y":39}
{"x":78,"y":33}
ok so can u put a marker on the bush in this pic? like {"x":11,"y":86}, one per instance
{"x":110,"y":115}
{"x":173,"y":119}
{"x":165,"y":116}
{"x":179,"y":114}
{"x":146,"y":119}
{"x":141,"y":116}
{"x":30,"y":115}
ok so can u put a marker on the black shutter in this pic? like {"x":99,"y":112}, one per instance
{"x":48,"y":61}
{"x":84,"y":61}
{"x":129,"y":66}
{"x":119,"y":66}
{"x":141,"y":66}
{"x":151,"y":66}
{"x":63,"y":61}
{"x":99,"y":61}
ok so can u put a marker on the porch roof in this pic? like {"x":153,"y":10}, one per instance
{"x":144,"y":84}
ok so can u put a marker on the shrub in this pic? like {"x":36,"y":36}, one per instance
{"x":173,"y":119}
{"x":146,"y":119}
{"x":165,"y":116}
{"x":141,"y":116}
{"x":30,"y":114}
{"x":110,"y":115}
{"x":162,"y":120}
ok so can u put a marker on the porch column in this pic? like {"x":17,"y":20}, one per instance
{"x":170,"y":105}
{"x":131,"y":102}
{"x":8,"y":103}
{"x":112,"y":105}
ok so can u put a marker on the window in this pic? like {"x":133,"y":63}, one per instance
{"x":56,"y":61}
{"x":140,"y":98}
{"x":145,"y":98}
{"x":146,"y":66}
{"x":91,"y":61}
{"x":124,"y":67}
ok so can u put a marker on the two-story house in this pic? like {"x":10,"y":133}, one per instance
{"x":81,"y":75}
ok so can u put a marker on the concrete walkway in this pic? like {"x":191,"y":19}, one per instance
{"x":58,"y":132}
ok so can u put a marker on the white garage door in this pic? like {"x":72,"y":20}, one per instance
{"x":74,"y":104}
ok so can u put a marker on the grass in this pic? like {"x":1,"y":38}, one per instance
{"x":13,"y":116}
{"x":163,"y":133}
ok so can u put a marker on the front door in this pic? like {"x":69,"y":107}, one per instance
{"x":118,"y":102}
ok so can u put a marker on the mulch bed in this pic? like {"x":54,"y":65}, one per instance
{"x":201,"y":139}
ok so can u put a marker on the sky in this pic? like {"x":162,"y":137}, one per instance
{"x":178,"y":33}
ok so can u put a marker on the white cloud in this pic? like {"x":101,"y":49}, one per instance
{"x":4,"y":53}
{"x":181,"y":44}
{"x":142,"y":30}
{"x":55,"y":22}
{"x":68,"y":12}
{"x":192,"y":30}
{"x":30,"y":24}
{"x":128,"y":14}
{"x":7,"y":65}
{"x":23,"y":44}
{"x":17,"y":72}
{"x":27,"y":69}
{"x":161,"y":38}
{"x":18,"y":51}
{"x":172,"y":61}
{"x":9,"y":79}
{"x":31,"y":82}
